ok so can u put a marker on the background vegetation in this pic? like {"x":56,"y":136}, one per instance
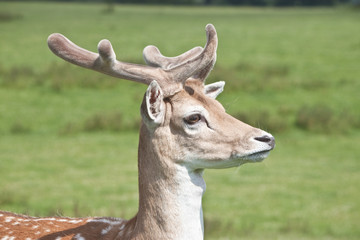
{"x":261,"y":3}
{"x":68,"y":136}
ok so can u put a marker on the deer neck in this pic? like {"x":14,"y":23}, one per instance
{"x":170,"y":195}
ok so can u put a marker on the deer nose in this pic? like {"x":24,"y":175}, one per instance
{"x":267,"y":139}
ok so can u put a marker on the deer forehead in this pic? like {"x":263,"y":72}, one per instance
{"x":194,"y":100}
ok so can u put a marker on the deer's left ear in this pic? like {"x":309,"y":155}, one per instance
{"x":153,"y":109}
{"x":214,"y":89}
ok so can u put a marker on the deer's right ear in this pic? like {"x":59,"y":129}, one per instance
{"x":154,"y":110}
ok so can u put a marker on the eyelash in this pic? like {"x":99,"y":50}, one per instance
{"x":193,"y":119}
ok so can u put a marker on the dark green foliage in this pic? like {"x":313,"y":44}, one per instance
{"x":264,"y":120}
{"x":250,"y":77}
{"x":8,"y":17}
{"x":214,"y":226}
{"x":101,"y":121}
{"x":8,"y":196}
{"x":57,"y":77}
{"x":18,"y":77}
{"x":322,"y":119}
{"x":277,"y":3}
{"x":316,"y":118}
{"x":19,"y":128}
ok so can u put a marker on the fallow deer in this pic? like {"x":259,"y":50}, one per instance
{"x":184,"y":130}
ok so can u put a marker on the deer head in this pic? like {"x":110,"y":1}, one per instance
{"x":177,"y":102}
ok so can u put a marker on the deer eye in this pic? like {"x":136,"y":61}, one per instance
{"x":192,"y":119}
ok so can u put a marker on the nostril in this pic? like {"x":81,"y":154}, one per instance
{"x":263,"y":139}
{"x":267,"y":139}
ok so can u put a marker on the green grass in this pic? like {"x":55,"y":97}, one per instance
{"x":294,"y":72}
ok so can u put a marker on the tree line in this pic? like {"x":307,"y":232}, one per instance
{"x":273,"y":3}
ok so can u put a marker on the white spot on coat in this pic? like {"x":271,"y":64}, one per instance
{"x":8,"y":238}
{"x":79,"y":237}
{"x":75,"y":221}
{"x":9,"y":219}
{"x":35,"y":227}
{"x":106,"y":230}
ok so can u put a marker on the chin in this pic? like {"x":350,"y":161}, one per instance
{"x":256,"y":157}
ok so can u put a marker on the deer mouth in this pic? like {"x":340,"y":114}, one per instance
{"x":252,"y":157}
{"x":257,"y":156}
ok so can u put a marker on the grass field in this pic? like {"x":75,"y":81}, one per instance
{"x":68,"y":136}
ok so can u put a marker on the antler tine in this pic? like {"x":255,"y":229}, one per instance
{"x":202,"y":63}
{"x":106,"y":52}
{"x":153,"y":57}
{"x":202,"y":74}
{"x":104,"y":62}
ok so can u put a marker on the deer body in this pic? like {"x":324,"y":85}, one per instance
{"x":184,"y":130}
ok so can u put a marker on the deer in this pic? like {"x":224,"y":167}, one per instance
{"x":183,"y":131}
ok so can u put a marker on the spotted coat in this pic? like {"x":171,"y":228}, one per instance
{"x":19,"y":227}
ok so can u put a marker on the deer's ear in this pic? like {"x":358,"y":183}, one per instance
{"x":214,"y":89}
{"x":154,"y":110}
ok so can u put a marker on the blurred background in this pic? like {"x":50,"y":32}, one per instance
{"x":68,"y":136}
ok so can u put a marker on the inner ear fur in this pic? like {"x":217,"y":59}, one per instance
{"x":153,"y":107}
{"x":214,"y":89}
